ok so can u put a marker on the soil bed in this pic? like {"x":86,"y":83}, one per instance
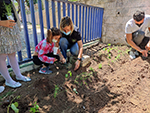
{"x":110,"y":83}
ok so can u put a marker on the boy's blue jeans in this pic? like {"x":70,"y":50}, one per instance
{"x":64,"y":45}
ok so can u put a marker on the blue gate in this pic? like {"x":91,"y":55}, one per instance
{"x":88,"y":18}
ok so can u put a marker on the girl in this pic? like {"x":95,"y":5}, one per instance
{"x":71,"y":39}
{"x":44,"y":51}
{"x":10,"y":43}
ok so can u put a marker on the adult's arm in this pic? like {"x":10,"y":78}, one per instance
{"x":80,"y":44}
{"x":7,"y":23}
{"x":149,"y":29}
{"x":77,"y":63}
{"x":133,"y":45}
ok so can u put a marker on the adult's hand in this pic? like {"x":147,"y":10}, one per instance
{"x":63,"y":60}
{"x":7,"y":23}
{"x":77,"y":65}
{"x":144,"y":53}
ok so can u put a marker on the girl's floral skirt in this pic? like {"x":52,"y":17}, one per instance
{"x":10,"y":40}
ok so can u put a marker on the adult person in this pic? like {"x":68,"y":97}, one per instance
{"x":10,"y":43}
{"x":71,"y":39}
{"x":135,"y":34}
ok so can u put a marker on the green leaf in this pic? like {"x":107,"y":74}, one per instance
{"x":100,"y":66}
{"x":66,"y":75}
{"x":109,"y":44}
{"x":18,"y":97}
{"x":70,"y":73}
{"x":37,"y":106}
{"x":16,"y":104}
{"x":14,"y":108}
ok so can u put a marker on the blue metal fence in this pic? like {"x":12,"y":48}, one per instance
{"x":88,"y":18}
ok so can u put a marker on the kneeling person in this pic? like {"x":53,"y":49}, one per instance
{"x":135,"y":34}
{"x":44,"y":51}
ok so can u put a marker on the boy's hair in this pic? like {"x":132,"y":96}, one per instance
{"x":138,"y":15}
{"x":52,"y":32}
{"x":66,"y":21}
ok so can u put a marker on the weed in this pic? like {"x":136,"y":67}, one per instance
{"x":34,"y":108}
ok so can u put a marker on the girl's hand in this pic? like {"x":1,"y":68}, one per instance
{"x":77,"y":65}
{"x":7,"y":23}
{"x":55,"y":60}
{"x":63,"y":60}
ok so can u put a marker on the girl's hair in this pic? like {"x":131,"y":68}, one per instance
{"x":66,"y":21}
{"x":52,"y":32}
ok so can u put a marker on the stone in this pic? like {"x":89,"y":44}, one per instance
{"x":85,"y":60}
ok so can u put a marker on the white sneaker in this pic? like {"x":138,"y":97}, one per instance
{"x":132,"y":55}
{"x":2,"y":89}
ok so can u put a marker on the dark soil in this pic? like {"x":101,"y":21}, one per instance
{"x":110,"y":83}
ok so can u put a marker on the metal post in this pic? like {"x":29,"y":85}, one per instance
{"x":25,"y":28}
{"x":47,"y":13}
{"x":41,"y":19}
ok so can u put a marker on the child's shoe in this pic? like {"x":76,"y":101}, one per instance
{"x":17,"y":84}
{"x":2,"y":89}
{"x":45,"y":70}
{"x":24,"y":78}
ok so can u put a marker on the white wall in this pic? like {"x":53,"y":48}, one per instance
{"x":116,"y":14}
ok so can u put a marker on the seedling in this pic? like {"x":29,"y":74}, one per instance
{"x":66,"y":75}
{"x":109,"y":56}
{"x":34,"y":108}
{"x":91,"y":69}
{"x":74,"y":89}
{"x":104,"y":49}
{"x":13,"y":105}
{"x":119,"y":51}
{"x":100,"y":66}
{"x":82,"y":77}
{"x":109,"y":50}
{"x":56,"y":91}
{"x":70,"y":73}
{"x":108,"y":44}
{"x":117,"y":57}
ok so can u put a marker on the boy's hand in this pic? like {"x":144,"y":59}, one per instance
{"x":144,"y":53}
